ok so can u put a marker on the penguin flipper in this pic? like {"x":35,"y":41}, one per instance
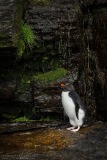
{"x":76,"y":109}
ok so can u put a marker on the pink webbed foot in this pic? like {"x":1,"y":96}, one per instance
{"x":70,"y":128}
{"x":74,"y":129}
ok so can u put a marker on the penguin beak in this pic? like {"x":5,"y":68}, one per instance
{"x":57,"y":88}
{"x":61,"y":86}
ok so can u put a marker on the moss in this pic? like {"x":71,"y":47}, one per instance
{"x":7,"y":39}
{"x":25,"y":119}
{"x":21,"y":48}
{"x":21,"y":119}
{"x":8,"y":116}
{"x":22,"y":35}
{"x":50,"y":76}
{"x":13,"y":118}
{"x":17,"y":22}
{"x":46,"y":119}
{"x":23,"y":38}
{"x":24,"y":87}
{"x":26,"y":39}
{"x":27,"y":35}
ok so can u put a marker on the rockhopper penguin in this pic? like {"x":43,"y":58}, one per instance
{"x":73,"y":107}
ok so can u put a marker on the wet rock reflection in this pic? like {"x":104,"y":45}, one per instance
{"x":39,"y":141}
{"x":56,"y":143}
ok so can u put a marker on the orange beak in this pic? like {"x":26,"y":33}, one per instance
{"x":62,"y":84}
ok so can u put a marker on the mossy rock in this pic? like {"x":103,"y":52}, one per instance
{"x":8,"y":116}
{"x":21,"y":119}
{"x":50,"y":76}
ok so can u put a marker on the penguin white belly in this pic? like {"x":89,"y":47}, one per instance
{"x":68,"y":105}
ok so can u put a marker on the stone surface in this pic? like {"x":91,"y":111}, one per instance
{"x":7,"y":25}
{"x":92,"y":2}
{"x":15,"y":98}
{"x":24,"y":126}
{"x":57,"y":27}
{"x":56,"y":143}
{"x":8,"y":34}
{"x":97,"y":51}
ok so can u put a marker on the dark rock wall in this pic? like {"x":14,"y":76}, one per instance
{"x":100,"y":47}
{"x":57,"y":27}
{"x":7,"y":17}
{"x":95,"y":38}
{"x":8,"y":34}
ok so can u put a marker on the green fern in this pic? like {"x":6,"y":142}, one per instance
{"x":26,"y":39}
{"x":27,"y":35}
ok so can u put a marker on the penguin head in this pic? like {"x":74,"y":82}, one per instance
{"x":66,"y":87}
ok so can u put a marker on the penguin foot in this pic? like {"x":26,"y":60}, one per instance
{"x":70,"y":128}
{"x":76,"y":129}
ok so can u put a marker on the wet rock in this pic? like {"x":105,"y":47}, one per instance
{"x":93,"y":3}
{"x":48,"y":101}
{"x":7,"y":89}
{"x":7,"y":16}
{"x":23,"y":126}
{"x":56,"y":143}
{"x":15,"y":98}
{"x":23,"y":92}
{"x":57,"y":27}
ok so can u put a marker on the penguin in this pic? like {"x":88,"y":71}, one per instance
{"x":74,"y":108}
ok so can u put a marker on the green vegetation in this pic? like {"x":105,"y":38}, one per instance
{"x":8,"y":116}
{"x":13,"y":118}
{"x":21,"y":119}
{"x":27,"y":35}
{"x":50,"y":76}
{"x":26,"y":39}
{"x":23,"y":38}
{"x":45,"y":119}
{"x":25,"y":119}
